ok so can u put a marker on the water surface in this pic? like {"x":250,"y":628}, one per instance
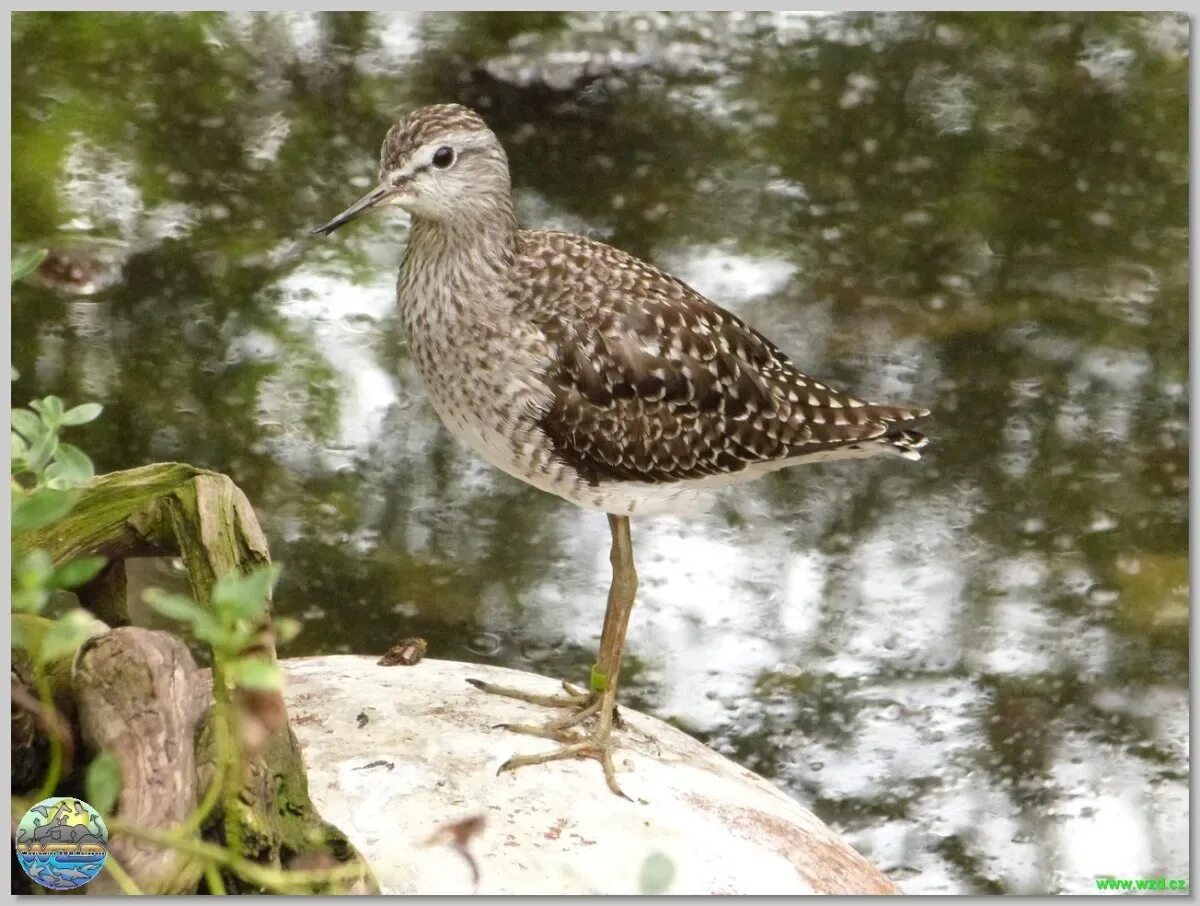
{"x":975,"y":666}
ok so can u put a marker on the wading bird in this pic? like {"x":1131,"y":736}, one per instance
{"x":588,"y":373}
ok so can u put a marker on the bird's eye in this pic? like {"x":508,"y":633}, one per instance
{"x":443,"y":157}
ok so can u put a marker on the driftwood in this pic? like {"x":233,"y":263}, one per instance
{"x":164,"y":510}
{"x":138,"y":694}
{"x":136,"y":697}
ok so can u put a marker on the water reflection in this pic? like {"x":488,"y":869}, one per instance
{"x":976,"y":667}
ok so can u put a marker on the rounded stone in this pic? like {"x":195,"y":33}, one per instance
{"x":399,"y":756}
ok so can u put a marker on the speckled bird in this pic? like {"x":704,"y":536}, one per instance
{"x":588,"y":373}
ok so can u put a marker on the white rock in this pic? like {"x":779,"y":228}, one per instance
{"x":395,"y":753}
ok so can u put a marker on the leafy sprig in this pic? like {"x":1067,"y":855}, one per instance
{"x":229,"y":627}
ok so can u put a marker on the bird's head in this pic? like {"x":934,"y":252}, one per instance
{"x":440,"y":163}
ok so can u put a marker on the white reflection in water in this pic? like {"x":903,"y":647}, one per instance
{"x":101,"y":189}
{"x":1104,"y":825}
{"x":331,"y":308}
{"x":726,"y":276}
{"x":1024,"y":636}
{"x":699,"y":633}
{"x":910,"y":588}
{"x":804,"y":585}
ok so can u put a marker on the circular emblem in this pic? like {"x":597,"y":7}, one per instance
{"x":62,"y":843}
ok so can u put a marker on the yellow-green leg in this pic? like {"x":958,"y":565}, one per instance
{"x":601,"y":701}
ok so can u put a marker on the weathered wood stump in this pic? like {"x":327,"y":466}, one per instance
{"x":139,"y":695}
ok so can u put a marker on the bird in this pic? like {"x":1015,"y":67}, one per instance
{"x":588,"y":373}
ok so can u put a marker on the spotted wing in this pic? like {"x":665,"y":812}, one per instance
{"x":651,"y":382}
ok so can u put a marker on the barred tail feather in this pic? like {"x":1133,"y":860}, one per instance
{"x":905,"y":443}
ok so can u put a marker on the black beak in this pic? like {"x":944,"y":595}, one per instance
{"x":373,"y":199}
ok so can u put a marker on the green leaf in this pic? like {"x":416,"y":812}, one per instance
{"x":30,"y":581}
{"x":23,"y":639}
{"x":33,"y":569}
{"x":18,"y":447}
{"x":252,"y":673}
{"x":41,"y":452}
{"x":51,"y":409}
{"x":206,"y":629}
{"x":40,"y":508}
{"x":244,"y":597}
{"x":68,"y":633}
{"x":286,"y":629}
{"x":239,"y":637}
{"x":78,"y":461}
{"x":176,"y":607}
{"x":71,"y":467}
{"x":27,"y":424}
{"x":657,"y":874}
{"x":203,"y":625}
{"x":13,"y":374}
{"x":81,"y":415}
{"x":102,"y":783}
{"x":30,"y":600}
{"x":26,"y":262}
{"x":78,"y":572}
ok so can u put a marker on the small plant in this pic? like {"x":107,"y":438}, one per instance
{"x":37,"y":452}
{"x":45,"y":475}
{"x":231,"y":626}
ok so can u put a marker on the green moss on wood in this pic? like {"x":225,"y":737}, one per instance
{"x":173,"y":509}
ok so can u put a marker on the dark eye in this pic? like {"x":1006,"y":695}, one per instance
{"x":443,"y":157}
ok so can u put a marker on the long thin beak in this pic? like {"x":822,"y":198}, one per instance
{"x":373,"y":199}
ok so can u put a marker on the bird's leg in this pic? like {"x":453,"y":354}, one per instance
{"x":603,"y":698}
{"x":621,"y":595}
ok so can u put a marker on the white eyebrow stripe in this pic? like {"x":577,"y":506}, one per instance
{"x":462,"y":140}
{"x":412,"y":168}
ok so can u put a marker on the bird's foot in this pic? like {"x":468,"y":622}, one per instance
{"x":574,"y":698}
{"x":598,"y":745}
{"x":560,"y":727}
{"x":575,"y":743}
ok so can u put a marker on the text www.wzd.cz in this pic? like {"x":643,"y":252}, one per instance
{"x":1141,"y":884}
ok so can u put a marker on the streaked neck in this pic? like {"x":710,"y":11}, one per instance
{"x":464,"y":263}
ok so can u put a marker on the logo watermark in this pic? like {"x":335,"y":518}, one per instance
{"x":1141,"y":883}
{"x":62,"y":843}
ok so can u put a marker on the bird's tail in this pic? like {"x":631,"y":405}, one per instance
{"x":906,"y":443}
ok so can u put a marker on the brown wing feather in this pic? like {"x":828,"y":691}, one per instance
{"x":654,"y":383}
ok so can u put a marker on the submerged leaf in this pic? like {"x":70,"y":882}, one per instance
{"x":42,"y":451}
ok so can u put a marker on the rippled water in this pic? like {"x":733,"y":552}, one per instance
{"x":975,"y":666}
